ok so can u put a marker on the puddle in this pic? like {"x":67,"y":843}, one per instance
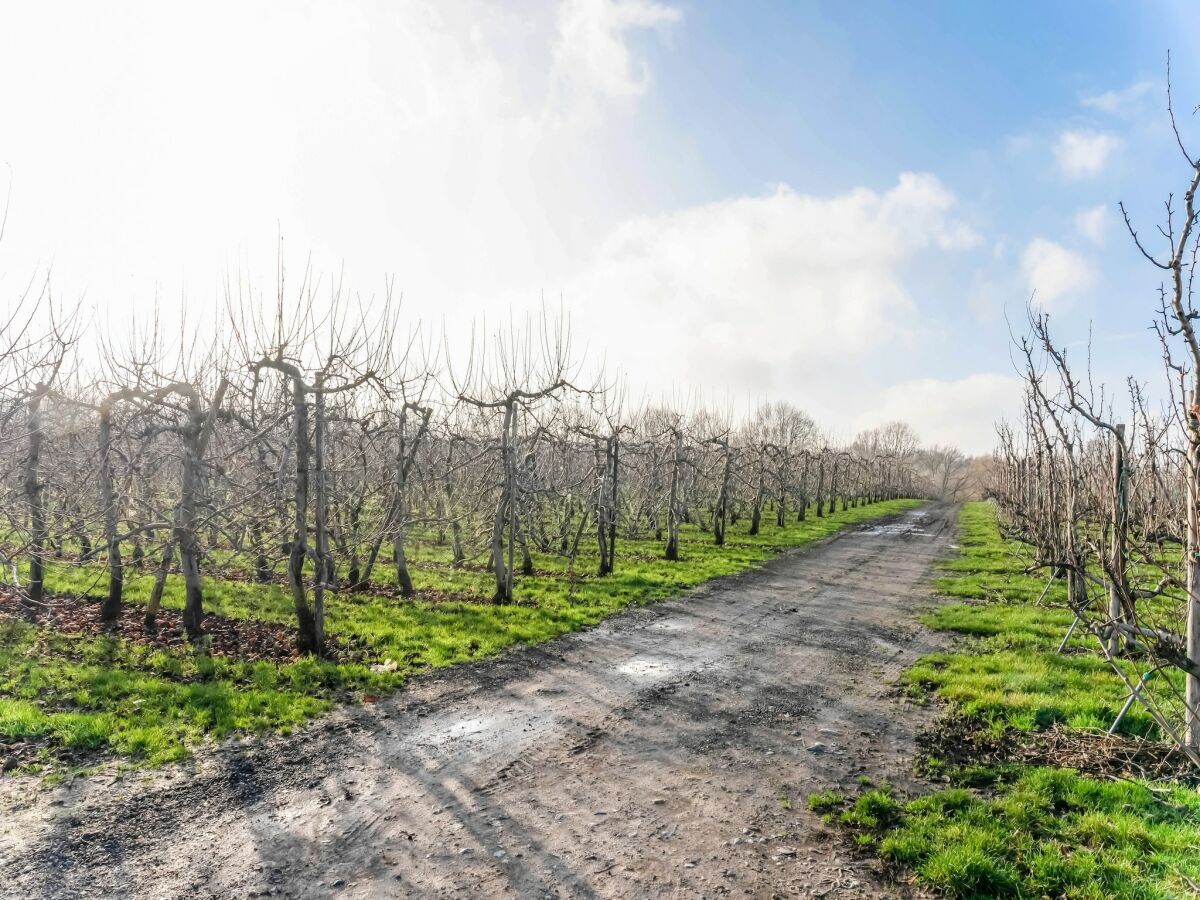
{"x":642,"y":668}
{"x":461,"y":728}
{"x":668,"y":625}
{"x":899,"y":528}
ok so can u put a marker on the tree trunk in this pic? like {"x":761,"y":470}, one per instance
{"x":310,"y":637}
{"x":160,"y":576}
{"x":322,"y":574}
{"x":456,"y":549}
{"x":821,"y":488}
{"x":35,"y":495}
{"x":523,"y":539}
{"x":503,"y":572}
{"x":262,"y":567}
{"x":760,"y":494}
{"x":614,"y":504}
{"x":804,"y":488}
{"x":457,"y":557}
{"x":110,"y":609}
{"x":1192,"y":626}
{"x":189,"y":550}
{"x":399,"y":513}
{"x":603,"y":508}
{"x":672,"y":552}
{"x":721,"y":512}
{"x":1116,"y":549}
{"x":833,"y":487}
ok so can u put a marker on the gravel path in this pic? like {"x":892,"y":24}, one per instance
{"x":665,"y":753}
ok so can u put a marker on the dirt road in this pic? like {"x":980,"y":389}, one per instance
{"x":665,"y":753}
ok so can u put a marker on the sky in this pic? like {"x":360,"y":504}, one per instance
{"x":841,"y":205}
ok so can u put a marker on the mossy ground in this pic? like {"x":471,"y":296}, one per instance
{"x":72,"y":697}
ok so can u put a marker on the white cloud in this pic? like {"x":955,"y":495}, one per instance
{"x":1092,"y":223}
{"x":1054,"y":272}
{"x":1117,"y":102}
{"x":1083,"y":154}
{"x":437,"y":141}
{"x":772,"y":293}
{"x":985,"y":302}
{"x":960,"y":412}
{"x":591,"y":53}
{"x":423,"y":138}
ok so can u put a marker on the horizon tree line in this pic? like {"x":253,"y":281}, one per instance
{"x":313,"y":448}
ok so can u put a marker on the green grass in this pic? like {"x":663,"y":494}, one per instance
{"x":86,"y":694}
{"x":1048,"y":833}
{"x":1008,"y":675}
{"x":77,"y":693}
{"x":1014,"y":830}
{"x":990,"y":567}
{"x":1029,"y":690}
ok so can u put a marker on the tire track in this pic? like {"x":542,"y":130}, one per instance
{"x":646,"y":757}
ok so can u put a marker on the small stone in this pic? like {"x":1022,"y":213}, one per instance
{"x":818,"y":747}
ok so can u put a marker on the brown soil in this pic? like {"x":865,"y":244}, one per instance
{"x":960,"y":742}
{"x":667,"y":752}
{"x":242,"y":639}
